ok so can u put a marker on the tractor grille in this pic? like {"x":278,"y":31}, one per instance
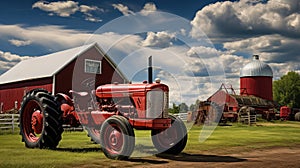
{"x":166,"y":105}
{"x":157,"y":104}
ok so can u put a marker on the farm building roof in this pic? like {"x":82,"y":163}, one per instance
{"x":252,"y":101}
{"x":256,"y":68}
{"x":43,"y":66}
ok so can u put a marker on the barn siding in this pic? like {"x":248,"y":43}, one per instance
{"x":14,"y":92}
{"x":11,"y":92}
{"x":70,"y":78}
{"x":223,"y":98}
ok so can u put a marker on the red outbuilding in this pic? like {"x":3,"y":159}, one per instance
{"x":255,"y":92}
{"x":58,"y":72}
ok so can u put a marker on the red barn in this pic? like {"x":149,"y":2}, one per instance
{"x":232,"y":104}
{"x":57,"y":72}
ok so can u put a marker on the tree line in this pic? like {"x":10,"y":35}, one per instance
{"x":286,"y":90}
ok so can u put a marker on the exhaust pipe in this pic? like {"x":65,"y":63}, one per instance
{"x":150,"y":73}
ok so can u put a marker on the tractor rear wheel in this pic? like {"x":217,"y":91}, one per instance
{"x":40,"y":120}
{"x":117,"y":138}
{"x":171,"y":140}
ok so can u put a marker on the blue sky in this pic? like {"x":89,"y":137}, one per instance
{"x":237,"y":30}
{"x":28,"y":14}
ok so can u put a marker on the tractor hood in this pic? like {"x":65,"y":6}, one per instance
{"x":125,"y":90}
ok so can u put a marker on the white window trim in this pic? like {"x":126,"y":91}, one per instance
{"x":100,"y":67}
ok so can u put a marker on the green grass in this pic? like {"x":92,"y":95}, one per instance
{"x":263,"y":135}
{"x":76,"y":149}
{"x":14,"y":154}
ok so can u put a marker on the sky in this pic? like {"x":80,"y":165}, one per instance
{"x":196,"y":44}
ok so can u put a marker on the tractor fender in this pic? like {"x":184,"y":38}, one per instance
{"x":62,"y":98}
{"x":67,"y":107}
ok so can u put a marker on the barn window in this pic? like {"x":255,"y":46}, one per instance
{"x":92,"y":66}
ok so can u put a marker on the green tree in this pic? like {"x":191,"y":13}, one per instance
{"x":183,"y":108}
{"x":194,"y":107}
{"x":286,"y":90}
{"x":174,"y":109}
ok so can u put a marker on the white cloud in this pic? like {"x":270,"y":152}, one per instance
{"x":233,"y":64}
{"x":67,"y":8}
{"x":188,"y":89}
{"x":182,"y":88}
{"x":53,"y":37}
{"x":4,"y":66}
{"x":8,"y":60}
{"x":19,"y":43}
{"x":256,"y":44}
{"x":160,"y":39}
{"x":61,"y":8}
{"x":123,"y":9}
{"x":7,"y":56}
{"x":92,"y":19}
{"x":280,"y":69}
{"x":87,"y":9}
{"x":271,"y":48}
{"x":203,"y":52}
{"x":148,"y":7}
{"x":245,"y":18}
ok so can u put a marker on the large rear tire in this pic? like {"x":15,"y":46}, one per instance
{"x":117,"y":138}
{"x":172,"y":140}
{"x":40,"y":120}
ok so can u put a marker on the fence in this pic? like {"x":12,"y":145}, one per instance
{"x":69,"y":128}
{"x":248,"y":119}
{"x":9,"y":121}
{"x":182,"y":116}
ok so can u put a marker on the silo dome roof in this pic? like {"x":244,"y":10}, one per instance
{"x":256,"y":68}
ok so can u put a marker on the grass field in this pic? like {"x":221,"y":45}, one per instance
{"x":76,"y":149}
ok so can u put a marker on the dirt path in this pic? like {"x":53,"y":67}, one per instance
{"x":279,"y":157}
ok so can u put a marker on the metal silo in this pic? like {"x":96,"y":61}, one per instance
{"x":256,"y":79}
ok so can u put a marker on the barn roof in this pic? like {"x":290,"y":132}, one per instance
{"x":43,"y":66}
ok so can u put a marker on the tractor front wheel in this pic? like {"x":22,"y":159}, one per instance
{"x":40,"y":120}
{"x":171,"y":140}
{"x":117,"y":138}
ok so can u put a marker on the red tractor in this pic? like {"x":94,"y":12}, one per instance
{"x":110,"y":114}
